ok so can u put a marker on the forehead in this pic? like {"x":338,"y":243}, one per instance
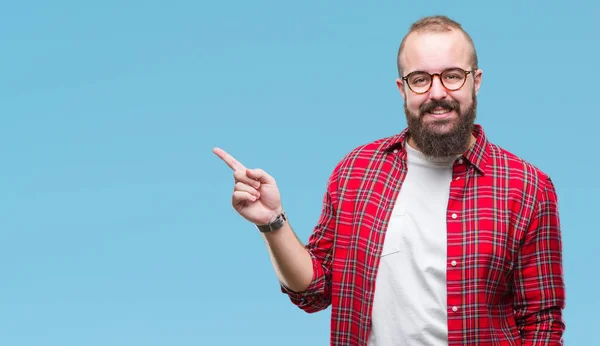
{"x":435,"y":51}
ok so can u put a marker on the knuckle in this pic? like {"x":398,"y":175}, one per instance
{"x":240,"y":176}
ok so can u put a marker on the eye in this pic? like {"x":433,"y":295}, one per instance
{"x":419,"y":79}
{"x":453,"y":75}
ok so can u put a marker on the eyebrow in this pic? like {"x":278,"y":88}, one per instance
{"x":444,"y":69}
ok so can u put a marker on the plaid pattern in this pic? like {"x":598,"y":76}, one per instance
{"x":504,"y":267}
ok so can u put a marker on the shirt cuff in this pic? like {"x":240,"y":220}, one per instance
{"x":313,"y":292}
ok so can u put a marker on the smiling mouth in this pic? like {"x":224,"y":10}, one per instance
{"x":440,"y":112}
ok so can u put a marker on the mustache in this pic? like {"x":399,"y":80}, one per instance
{"x":430,"y":106}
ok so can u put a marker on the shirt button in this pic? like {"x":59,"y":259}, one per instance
{"x":454,"y":308}
{"x":453,"y":263}
{"x":454,"y":216}
{"x":395,"y":151}
{"x":460,"y":161}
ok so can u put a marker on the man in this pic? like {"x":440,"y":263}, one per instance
{"x":434,"y":236}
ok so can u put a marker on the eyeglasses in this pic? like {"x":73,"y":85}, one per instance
{"x":452,"y":79}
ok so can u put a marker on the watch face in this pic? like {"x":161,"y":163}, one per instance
{"x":277,"y":223}
{"x":274,"y":225}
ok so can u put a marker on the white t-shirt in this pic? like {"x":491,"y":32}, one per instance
{"x":409,"y":306}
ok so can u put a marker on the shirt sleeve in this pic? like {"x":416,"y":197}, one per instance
{"x":538,"y":277}
{"x":317,"y":296}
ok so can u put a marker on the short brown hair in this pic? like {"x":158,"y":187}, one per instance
{"x":436,"y":24}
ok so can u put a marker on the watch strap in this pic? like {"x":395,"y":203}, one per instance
{"x":274,"y":225}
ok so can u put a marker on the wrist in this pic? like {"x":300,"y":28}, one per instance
{"x":277,"y":221}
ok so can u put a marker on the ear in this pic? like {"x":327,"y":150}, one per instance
{"x":400,"y":85}
{"x":478,"y":77}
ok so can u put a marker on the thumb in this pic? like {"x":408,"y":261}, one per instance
{"x":260,"y":175}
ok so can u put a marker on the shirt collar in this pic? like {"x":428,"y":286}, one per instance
{"x":477,"y":154}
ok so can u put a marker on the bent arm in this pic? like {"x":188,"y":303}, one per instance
{"x":312,"y":293}
{"x":291,"y":261}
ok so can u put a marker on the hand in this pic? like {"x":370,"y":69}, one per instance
{"x":255,"y":195}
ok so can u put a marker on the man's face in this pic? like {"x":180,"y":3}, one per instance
{"x":440,"y":121}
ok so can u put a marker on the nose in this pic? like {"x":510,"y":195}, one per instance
{"x":437,"y":90}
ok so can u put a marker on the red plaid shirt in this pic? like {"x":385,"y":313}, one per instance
{"x":503,"y":230}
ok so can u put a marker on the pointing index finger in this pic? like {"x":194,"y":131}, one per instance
{"x":229,"y":160}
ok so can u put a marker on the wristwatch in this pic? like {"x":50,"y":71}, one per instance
{"x":273,"y":225}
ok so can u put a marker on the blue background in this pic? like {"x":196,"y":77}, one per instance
{"x":115,"y":220}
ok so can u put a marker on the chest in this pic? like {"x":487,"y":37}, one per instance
{"x":485,"y":218}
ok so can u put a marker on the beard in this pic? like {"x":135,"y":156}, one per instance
{"x":429,"y":138}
